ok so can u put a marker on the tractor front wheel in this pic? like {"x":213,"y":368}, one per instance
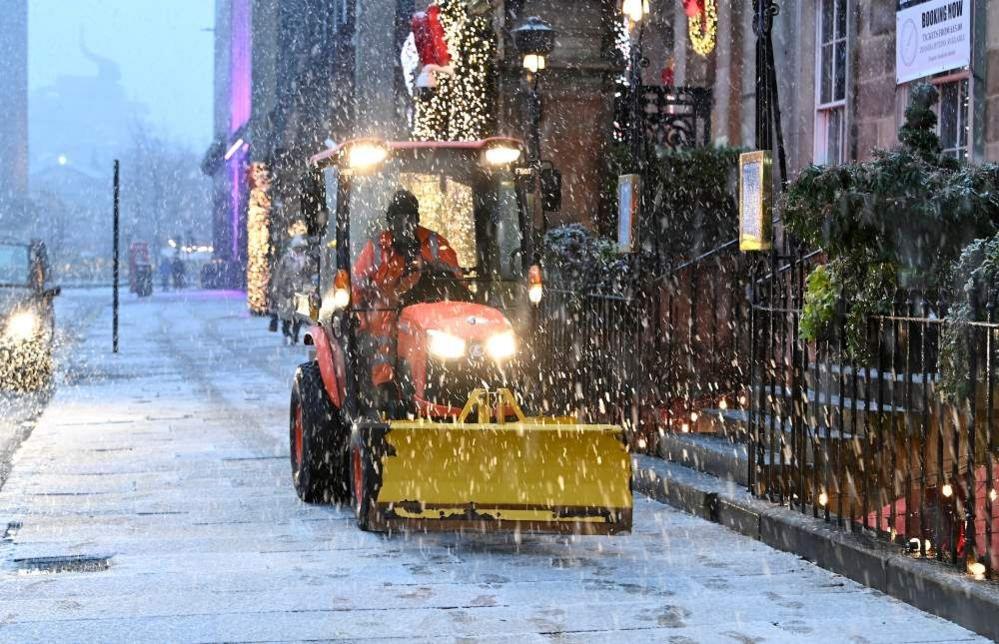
{"x":317,"y":438}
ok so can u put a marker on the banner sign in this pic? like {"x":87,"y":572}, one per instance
{"x":629,"y":191}
{"x":931,"y":36}
{"x":755,"y":201}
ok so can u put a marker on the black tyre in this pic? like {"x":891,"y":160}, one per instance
{"x":362,"y":481}
{"x":318,"y":441}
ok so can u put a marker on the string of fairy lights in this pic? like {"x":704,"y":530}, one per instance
{"x":258,"y":244}
{"x":461,"y":107}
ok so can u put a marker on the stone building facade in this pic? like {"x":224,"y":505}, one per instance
{"x":577,"y":90}
{"x":278,"y":87}
{"x":14,"y":101}
{"x":577,"y":94}
{"x":294,"y":76}
{"x":865,"y":111}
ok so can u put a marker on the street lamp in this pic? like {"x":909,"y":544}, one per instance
{"x":636,"y":11}
{"x":768,"y":119}
{"x":535,"y":40}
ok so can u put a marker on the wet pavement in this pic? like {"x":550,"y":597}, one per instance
{"x":152,"y":502}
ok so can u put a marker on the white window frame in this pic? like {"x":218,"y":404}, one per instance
{"x":825,"y":111}
{"x":965,"y":119}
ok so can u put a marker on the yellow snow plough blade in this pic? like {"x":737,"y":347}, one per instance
{"x":529,"y":476}
{"x":533,"y":475}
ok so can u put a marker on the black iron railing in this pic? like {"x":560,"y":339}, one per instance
{"x":663,"y":359}
{"x":671,"y":117}
{"x":867,"y":428}
{"x":888,"y":425}
{"x":587,"y":354}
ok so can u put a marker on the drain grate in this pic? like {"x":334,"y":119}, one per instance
{"x":68,"y":563}
{"x":11,"y":531}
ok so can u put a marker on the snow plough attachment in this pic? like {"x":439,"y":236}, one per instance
{"x":498,"y":470}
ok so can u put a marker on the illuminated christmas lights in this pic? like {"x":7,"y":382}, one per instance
{"x":702,"y":26}
{"x":461,"y":106}
{"x":258,"y":229}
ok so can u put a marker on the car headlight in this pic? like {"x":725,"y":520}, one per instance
{"x":502,"y":345}
{"x":446,"y":346}
{"x":21,"y":326}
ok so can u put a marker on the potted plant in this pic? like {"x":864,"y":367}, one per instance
{"x":896,"y":221}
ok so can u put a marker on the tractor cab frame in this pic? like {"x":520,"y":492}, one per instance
{"x":474,"y":194}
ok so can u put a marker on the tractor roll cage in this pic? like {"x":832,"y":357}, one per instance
{"x":315,"y":202}
{"x":316,"y":212}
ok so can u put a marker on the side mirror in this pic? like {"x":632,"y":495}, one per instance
{"x":551,"y":189}
{"x":50,"y":293}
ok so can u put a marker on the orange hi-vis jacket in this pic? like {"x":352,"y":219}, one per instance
{"x":379,"y":280}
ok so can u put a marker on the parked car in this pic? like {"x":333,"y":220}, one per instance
{"x":27,"y":319}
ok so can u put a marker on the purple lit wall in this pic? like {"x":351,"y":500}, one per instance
{"x":240,"y":66}
{"x":240,"y":105}
{"x":236,"y":168}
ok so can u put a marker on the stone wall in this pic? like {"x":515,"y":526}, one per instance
{"x":991,"y":75}
{"x":875,"y":104}
{"x":872,"y":74}
{"x":375,"y":63}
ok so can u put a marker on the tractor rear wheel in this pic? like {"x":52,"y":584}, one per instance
{"x":318,"y":438}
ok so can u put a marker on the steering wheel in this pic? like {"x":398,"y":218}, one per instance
{"x":435,"y":285}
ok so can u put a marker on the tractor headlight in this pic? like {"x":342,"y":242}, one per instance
{"x":535,"y":285}
{"x":446,"y":346}
{"x":502,"y":345}
{"x":365,"y":155}
{"x":500,"y":155}
{"x":21,"y":326}
{"x":341,"y":299}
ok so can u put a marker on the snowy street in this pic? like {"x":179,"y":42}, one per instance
{"x":165,"y":471}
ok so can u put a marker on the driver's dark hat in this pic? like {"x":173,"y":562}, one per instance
{"x":403,"y":202}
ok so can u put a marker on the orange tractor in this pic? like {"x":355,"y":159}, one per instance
{"x":450,"y":446}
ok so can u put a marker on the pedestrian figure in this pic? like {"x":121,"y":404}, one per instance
{"x":178,"y":271}
{"x":292,"y":276}
{"x":165,"y":271}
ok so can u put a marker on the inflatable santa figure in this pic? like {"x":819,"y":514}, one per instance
{"x":431,"y":46}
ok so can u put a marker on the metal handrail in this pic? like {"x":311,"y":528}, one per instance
{"x":696,"y":260}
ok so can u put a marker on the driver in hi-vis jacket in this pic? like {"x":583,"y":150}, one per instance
{"x":390,"y":265}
